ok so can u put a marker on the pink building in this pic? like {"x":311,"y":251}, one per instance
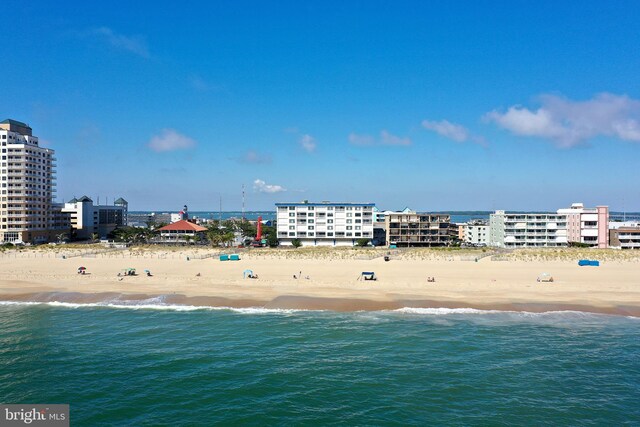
{"x":587,"y":225}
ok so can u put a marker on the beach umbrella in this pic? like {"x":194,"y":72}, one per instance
{"x":246,"y":272}
{"x":82,"y":268}
{"x":147,"y":271}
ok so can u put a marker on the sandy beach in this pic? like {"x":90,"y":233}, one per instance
{"x":329,"y":278}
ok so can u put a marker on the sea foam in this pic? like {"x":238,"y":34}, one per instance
{"x":152,"y":304}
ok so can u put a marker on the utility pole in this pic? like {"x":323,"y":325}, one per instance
{"x":243,"y":202}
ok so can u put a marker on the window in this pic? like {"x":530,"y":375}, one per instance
{"x":292,"y":227}
{"x":292,"y":214}
{"x":329,"y":227}
{"x":292,"y":221}
{"x":349,"y":214}
{"x":349,"y":221}
{"x":329,"y":221}
{"x":349,"y":227}
{"x":329,"y":234}
{"x":292,"y":234}
{"x":310,"y":227}
{"x":311,"y":208}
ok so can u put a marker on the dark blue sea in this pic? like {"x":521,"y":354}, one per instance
{"x":153,"y":364}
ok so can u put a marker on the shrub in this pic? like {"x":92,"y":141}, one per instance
{"x":296,"y":243}
{"x":362,"y":242}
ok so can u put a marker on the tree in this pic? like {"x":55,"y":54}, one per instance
{"x":227,"y":238}
{"x":248,"y":229}
{"x":362,"y":242}
{"x":272,"y":240}
{"x":94,"y":236}
{"x":296,"y":243}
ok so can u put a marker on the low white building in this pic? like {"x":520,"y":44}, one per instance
{"x":476,"y":233}
{"x":325,"y":223}
{"x":525,"y":230}
{"x":88,"y":219}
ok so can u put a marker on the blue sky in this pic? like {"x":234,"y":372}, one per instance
{"x":438,"y":105}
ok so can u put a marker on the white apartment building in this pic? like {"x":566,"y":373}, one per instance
{"x":325,"y":223}
{"x":88,"y":219}
{"x":27,"y":186}
{"x":524,"y":230}
{"x":476,"y":233}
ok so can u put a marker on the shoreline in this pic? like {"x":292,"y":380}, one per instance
{"x":306,"y":303}
{"x":331,"y":280}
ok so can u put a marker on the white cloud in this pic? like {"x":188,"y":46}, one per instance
{"x":170,"y":140}
{"x":569,"y":123}
{"x":263,"y":187}
{"x":254,"y":157}
{"x":447,"y":129}
{"x":308,"y":143}
{"x":133,"y":44}
{"x":453,"y":131}
{"x":385,"y":139}
{"x":356,"y":139}
{"x":389,"y":139}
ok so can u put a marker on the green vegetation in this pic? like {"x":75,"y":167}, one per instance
{"x":132,"y":234}
{"x":362,"y":242}
{"x":579,"y":245}
{"x":296,"y":243}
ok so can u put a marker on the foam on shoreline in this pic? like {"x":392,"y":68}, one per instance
{"x":294,"y":304}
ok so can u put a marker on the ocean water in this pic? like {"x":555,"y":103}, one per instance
{"x":152,"y":364}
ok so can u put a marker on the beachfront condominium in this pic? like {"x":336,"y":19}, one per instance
{"x":406,"y":229}
{"x":89,"y":220}
{"x":624,"y":235}
{"x":587,"y":226}
{"x":325,"y":223}
{"x":27,"y":178}
{"x":475,"y":232}
{"x":523,"y":230}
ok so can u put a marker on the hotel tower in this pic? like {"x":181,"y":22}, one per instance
{"x":27,"y":185}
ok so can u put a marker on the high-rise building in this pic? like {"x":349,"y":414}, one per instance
{"x":27,"y":171}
